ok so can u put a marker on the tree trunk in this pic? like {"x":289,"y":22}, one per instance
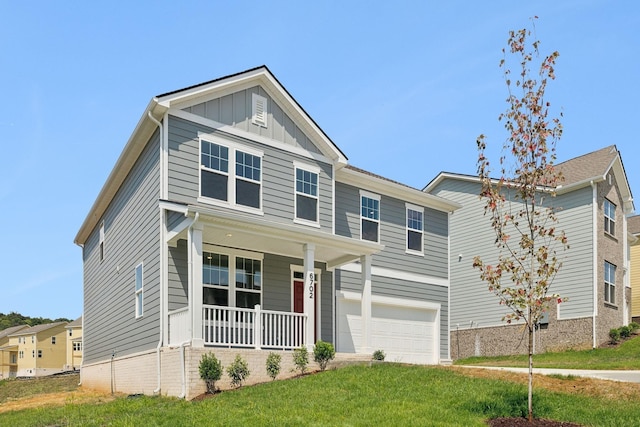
{"x":530,"y":371}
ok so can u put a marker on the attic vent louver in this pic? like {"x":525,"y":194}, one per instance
{"x":259,"y":107}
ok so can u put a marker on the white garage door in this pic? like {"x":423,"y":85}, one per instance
{"x":406,"y":334}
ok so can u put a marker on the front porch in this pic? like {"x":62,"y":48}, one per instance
{"x":238,"y":281}
{"x":242,"y":327}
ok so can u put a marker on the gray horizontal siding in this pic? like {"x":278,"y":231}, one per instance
{"x":393,"y":233}
{"x":472,"y":234}
{"x":277,"y":173}
{"x":397,"y":288}
{"x":235,"y":110}
{"x":178,"y":275}
{"x":131,"y":236}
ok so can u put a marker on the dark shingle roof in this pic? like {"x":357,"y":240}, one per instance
{"x":587,"y":166}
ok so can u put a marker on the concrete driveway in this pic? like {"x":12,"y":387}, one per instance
{"x":626,"y":376}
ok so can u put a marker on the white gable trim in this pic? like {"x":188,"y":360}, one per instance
{"x":247,"y":135}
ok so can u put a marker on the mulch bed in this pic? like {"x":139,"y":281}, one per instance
{"x":523,"y":422}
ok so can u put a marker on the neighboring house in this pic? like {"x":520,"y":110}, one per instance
{"x":74,"y":344}
{"x":592,"y":202}
{"x":633,"y":226}
{"x":42,"y":349}
{"x":232,"y":223}
{"x":9,"y":352}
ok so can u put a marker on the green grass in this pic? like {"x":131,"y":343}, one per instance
{"x":625,"y":356}
{"x":17,"y":388}
{"x":383,"y":394}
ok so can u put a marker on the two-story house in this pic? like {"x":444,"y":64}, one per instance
{"x":232,"y":223}
{"x":9,"y":352}
{"x":591,"y":204}
{"x":41,"y":349}
{"x":74,"y":344}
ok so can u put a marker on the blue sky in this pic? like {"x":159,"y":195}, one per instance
{"x":403,"y":88}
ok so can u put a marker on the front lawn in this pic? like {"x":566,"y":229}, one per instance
{"x":383,"y":394}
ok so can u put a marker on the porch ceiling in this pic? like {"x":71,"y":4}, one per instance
{"x":254,"y":233}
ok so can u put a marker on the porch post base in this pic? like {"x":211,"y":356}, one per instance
{"x":197,"y":343}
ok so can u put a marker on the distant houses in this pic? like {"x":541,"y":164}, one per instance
{"x":34,"y":351}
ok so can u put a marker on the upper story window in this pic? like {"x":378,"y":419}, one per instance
{"x":77,"y":346}
{"x":53,"y":340}
{"x":244,"y":292}
{"x":415,"y":228}
{"x":139,"y":294}
{"x":609,"y":217}
{"x":70,"y":332}
{"x":230,"y":174}
{"x":609,"y":283}
{"x":369,"y":216}
{"x":306,"y":201}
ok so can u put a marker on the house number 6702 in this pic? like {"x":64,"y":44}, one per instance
{"x":311,"y":280}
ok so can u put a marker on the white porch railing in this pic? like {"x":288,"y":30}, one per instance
{"x":256,"y":328}
{"x":179,"y":326}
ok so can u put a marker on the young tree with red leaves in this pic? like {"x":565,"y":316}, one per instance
{"x":519,"y":202}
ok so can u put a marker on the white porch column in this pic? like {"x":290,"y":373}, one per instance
{"x":365,"y":263}
{"x":309,"y":294}
{"x":195,"y":284}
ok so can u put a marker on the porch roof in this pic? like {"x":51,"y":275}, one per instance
{"x":246,"y":231}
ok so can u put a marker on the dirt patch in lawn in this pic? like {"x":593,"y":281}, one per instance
{"x":570,"y":384}
{"x":56,"y":399}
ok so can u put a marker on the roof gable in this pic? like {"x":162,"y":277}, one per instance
{"x":12,"y":330}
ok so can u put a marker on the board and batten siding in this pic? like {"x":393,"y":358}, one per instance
{"x":472,"y":304}
{"x":131,"y":224}
{"x":235,"y":110}
{"x":393,"y":233}
{"x":404,"y":289}
{"x":278,"y":173}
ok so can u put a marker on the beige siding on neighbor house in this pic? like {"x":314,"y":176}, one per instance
{"x":635,"y":280}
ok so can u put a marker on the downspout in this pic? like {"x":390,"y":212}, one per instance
{"x":161,"y":339}
{"x":183,"y":395}
{"x":595,"y":259}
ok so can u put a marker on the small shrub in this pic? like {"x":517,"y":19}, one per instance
{"x":614,"y":334}
{"x":210,"y":371}
{"x":379,"y":355}
{"x":238,"y":371}
{"x":625,"y":331}
{"x":273,"y":365}
{"x":634,"y":326}
{"x":301,"y":358}
{"x":323,"y":353}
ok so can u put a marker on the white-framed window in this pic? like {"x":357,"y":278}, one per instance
{"x":609,"y":217}
{"x":33,"y":339}
{"x":33,"y":354}
{"x":245,"y":291}
{"x":230,"y":175}
{"x":70,"y":332}
{"x":14,"y":358}
{"x":369,"y":216}
{"x":139,"y":290}
{"x":77,"y":346}
{"x":415,"y":229}
{"x":259,"y":110}
{"x":21,"y":354}
{"x":39,"y":354}
{"x":306,"y":193}
{"x":609,"y":283}
{"x":53,"y":340}
{"x":101,"y":243}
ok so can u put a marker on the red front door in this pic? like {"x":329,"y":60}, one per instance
{"x":298,"y":302}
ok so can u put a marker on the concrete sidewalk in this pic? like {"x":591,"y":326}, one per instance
{"x":626,"y":376}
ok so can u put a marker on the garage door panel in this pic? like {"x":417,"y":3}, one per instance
{"x":405,"y":334}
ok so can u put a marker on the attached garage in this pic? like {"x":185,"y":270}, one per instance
{"x":406,"y":330}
